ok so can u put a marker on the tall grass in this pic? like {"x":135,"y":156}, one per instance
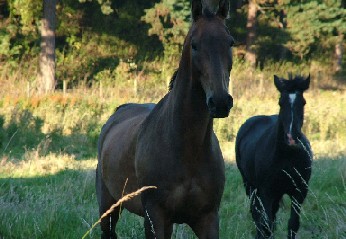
{"x":60,"y":202}
{"x":48,"y":160}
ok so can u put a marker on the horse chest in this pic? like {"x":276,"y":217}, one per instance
{"x":191,"y":196}
{"x":288,"y":179}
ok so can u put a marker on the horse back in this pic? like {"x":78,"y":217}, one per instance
{"x":253,"y":129}
{"x":122,"y":113}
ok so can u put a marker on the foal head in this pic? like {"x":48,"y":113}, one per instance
{"x":292,"y":103}
{"x":210,"y":45}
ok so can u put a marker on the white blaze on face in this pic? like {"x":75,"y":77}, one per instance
{"x":292,"y":99}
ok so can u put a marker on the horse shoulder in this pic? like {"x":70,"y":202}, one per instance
{"x":253,"y":142}
{"x":154,"y":134}
{"x":254,"y":130}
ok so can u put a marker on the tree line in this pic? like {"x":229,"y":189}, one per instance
{"x":78,"y":40}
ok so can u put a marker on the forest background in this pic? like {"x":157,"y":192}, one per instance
{"x":66,"y":65}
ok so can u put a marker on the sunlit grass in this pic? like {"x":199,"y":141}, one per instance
{"x":38,"y":166}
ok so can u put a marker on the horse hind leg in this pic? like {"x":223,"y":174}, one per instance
{"x":105,"y":201}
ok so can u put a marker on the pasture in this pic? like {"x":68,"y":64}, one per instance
{"x":48,"y":160}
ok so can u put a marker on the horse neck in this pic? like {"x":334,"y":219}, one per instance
{"x":280,"y":141}
{"x":187,"y":105}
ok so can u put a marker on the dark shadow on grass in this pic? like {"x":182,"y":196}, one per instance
{"x":24,"y":133}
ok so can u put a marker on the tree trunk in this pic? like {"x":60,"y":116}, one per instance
{"x":251,"y":33}
{"x":283,"y":25}
{"x":47,"y":57}
{"x":4,"y":11}
{"x":239,"y":4}
{"x":338,"y":53}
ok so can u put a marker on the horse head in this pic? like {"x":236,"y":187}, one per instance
{"x":210,"y":45}
{"x":292,"y":103}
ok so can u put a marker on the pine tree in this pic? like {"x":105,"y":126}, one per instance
{"x":169,"y":20}
{"x":314,"y":24}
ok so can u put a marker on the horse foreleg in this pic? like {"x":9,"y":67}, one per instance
{"x":207,"y":227}
{"x":261,"y":210}
{"x":155,"y":224}
{"x":294,"y":221}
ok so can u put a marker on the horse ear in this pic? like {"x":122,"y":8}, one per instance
{"x":304,"y":85}
{"x":196,"y":9}
{"x":223,"y":9}
{"x":279,"y":83}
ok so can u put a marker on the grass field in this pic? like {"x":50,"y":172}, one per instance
{"x":54,"y":197}
{"x":48,"y":159}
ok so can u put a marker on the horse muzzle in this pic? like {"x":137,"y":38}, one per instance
{"x":290,"y":140}
{"x":219,"y":107}
{"x":293,"y":140}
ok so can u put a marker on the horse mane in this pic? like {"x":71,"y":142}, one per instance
{"x":171,"y":83}
{"x":207,"y":13}
{"x":293,"y":82}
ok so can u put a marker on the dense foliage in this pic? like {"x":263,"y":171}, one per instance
{"x":118,"y":39}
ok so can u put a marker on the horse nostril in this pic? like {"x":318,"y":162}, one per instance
{"x":290,"y":139}
{"x":230,"y":101}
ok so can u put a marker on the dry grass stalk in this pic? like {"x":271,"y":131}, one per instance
{"x":121,"y":200}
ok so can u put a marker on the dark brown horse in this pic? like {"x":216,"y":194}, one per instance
{"x":172,"y":145}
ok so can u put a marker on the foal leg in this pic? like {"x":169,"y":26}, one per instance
{"x":207,"y":227}
{"x":294,"y":221}
{"x":261,"y":210}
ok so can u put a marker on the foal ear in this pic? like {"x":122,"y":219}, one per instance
{"x":304,"y":85}
{"x":223,"y":9}
{"x":196,"y":9}
{"x":279,"y":83}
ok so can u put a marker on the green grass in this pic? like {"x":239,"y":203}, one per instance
{"x":323,"y":212}
{"x":60,"y":202}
